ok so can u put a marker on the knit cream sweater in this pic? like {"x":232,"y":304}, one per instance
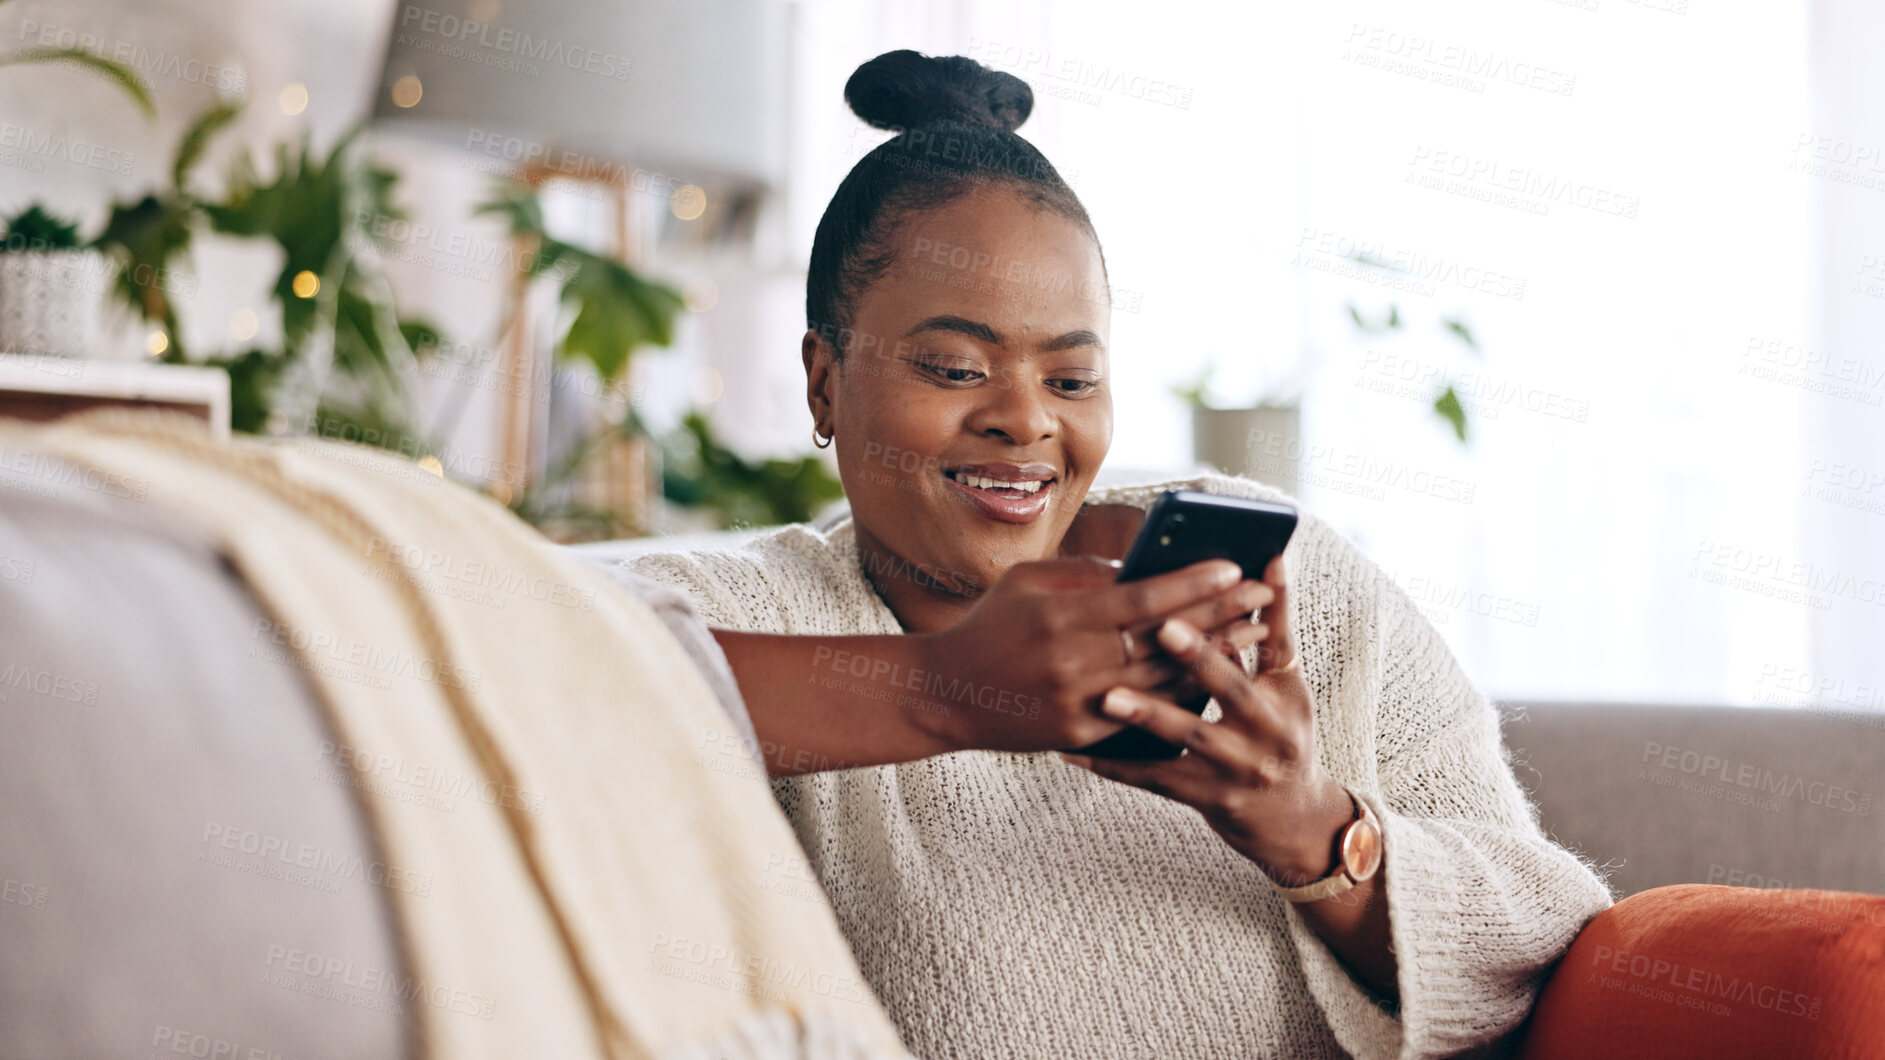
{"x":1011,"y":905}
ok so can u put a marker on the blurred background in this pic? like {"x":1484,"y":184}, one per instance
{"x":1569,"y":312}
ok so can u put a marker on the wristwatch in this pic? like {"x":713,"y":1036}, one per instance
{"x":1359,"y":857}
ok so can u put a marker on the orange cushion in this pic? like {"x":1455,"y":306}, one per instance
{"x":1720,"y":972}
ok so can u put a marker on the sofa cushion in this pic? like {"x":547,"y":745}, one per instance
{"x":1723,"y":973}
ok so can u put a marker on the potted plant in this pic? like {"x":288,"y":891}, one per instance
{"x":1259,"y":436}
{"x":49,"y":280}
{"x":606,"y":483}
{"x":49,"y":286}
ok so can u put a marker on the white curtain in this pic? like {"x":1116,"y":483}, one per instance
{"x":1608,"y":194}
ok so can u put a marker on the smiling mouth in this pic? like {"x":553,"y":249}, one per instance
{"x":1019,"y":495}
{"x":1018,"y":488}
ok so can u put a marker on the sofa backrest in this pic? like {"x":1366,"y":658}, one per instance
{"x":1747,"y":796}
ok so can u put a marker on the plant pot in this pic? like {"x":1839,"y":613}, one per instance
{"x":50,"y":302}
{"x":1262,"y":443}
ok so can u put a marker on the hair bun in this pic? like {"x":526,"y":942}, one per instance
{"x":905,"y":89}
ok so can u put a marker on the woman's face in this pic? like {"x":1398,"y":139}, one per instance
{"x":971,"y":408}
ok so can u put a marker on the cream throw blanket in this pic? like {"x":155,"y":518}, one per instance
{"x":618,"y":899}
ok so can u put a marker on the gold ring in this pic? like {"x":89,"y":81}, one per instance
{"x":1125,"y":641}
{"x":1283,"y":669}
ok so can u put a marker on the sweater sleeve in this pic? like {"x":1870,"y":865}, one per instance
{"x":1481,"y":904}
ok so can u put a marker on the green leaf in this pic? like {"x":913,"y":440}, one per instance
{"x":197,"y":137}
{"x":1449,"y":408}
{"x":33,"y":229}
{"x":697,"y":471}
{"x":1460,"y":331}
{"x":123,"y":76}
{"x":616,"y":312}
{"x":518,"y":205}
{"x":145,"y":239}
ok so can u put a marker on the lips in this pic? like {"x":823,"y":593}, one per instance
{"x":1008,"y":493}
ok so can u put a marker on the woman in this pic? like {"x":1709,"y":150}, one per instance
{"x":906,"y":669}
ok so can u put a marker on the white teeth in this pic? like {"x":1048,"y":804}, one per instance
{"x":985,"y":483}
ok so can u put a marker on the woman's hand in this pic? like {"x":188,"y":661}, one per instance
{"x":1253,"y":775}
{"x":1026,"y":667}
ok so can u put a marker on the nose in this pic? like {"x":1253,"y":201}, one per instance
{"x":1014,"y":409}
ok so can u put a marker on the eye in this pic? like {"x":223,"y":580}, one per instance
{"x":1074,"y":387}
{"x":956,"y":374}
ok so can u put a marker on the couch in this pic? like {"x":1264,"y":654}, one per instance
{"x":136,"y":919}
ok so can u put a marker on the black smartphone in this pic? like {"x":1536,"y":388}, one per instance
{"x":1189,"y":526}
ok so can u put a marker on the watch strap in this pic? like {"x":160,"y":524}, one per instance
{"x":1339,"y":881}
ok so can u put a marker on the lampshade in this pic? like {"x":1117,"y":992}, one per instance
{"x":687,"y":90}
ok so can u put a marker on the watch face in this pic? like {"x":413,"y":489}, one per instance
{"x":1361,"y":849}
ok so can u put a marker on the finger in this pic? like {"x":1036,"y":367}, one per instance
{"x":1147,"y":673}
{"x":1242,"y":700}
{"x":1148,"y":600}
{"x":1234,"y":637}
{"x":1240,"y":602}
{"x":1188,"y":780}
{"x":1280,"y":647}
{"x":1174,"y":724}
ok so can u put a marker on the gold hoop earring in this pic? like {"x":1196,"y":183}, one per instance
{"x":822,"y":441}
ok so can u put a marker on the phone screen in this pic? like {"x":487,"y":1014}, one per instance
{"x":1189,"y":526}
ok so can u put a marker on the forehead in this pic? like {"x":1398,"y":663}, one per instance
{"x":995,"y":257}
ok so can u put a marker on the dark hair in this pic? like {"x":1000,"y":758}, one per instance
{"x":955,"y":121}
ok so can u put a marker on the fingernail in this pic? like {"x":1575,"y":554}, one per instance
{"x":1119,"y":704}
{"x":1226,"y":575}
{"x":1177,"y":635}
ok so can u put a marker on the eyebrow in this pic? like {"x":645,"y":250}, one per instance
{"x":982,"y":332}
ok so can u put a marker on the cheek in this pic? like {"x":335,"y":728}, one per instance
{"x":1090,"y":433}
